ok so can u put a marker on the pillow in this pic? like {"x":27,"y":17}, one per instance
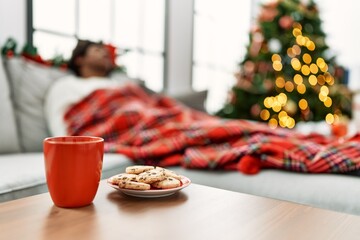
{"x":121,"y":77}
{"x":195,"y":100}
{"x":9,"y":142}
{"x":29,"y":82}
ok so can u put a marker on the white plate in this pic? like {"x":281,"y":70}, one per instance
{"x":153,"y":193}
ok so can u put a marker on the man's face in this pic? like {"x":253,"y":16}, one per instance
{"x":98,"y":57}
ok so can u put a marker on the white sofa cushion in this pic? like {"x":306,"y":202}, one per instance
{"x":23,"y":175}
{"x":29,"y":83}
{"x":8,"y":133}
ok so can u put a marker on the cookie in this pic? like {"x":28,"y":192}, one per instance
{"x":123,"y":177}
{"x":168,"y":182}
{"x":138,"y":169}
{"x":134,"y":185}
{"x":151,"y":176}
{"x":169,"y":173}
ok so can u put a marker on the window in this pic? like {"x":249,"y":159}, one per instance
{"x":221,"y":29}
{"x":136,"y":25}
{"x":342,"y":35}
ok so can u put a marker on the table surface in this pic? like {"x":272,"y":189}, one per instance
{"x":196,"y":212}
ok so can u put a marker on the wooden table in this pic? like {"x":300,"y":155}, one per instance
{"x":196,"y":212}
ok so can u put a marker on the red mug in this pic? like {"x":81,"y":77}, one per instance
{"x":73,"y":167}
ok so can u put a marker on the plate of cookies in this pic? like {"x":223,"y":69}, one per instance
{"x":148,"y":181}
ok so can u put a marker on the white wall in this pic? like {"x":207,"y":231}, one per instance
{"x":13,"y":21}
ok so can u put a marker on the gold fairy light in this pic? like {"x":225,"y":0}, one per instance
{"x":324,"y":68}
{"x":275,"y":57}
{"x":282,"y":99}
{"x":297,"y":25}
{"x":273,"y":123}
{"x":328,"y":102}
{"x":311,"y":46}
{"x":264,"y":114}
{"x":290,"y":122}
{"x":301,"y":88}
{"x":300,"y":40}
{"x":277,"y":66}
{"x":296,"y":32}
{"x":320,"y":62}
{"x":303,"y":104}
{"x":296,"y":49}
{"x":307,"y":58}
{"x":295,"y":63}
{"x":324,"y":90}
{"x":268,"y":102}
{"x":306,"y":40}
{"x":289,"y":86}
{"x":329,"y":118}
{"x":314,"y":68}
{"x":321,"y":80}
{"x":282,"y":114}
{"x":282,"y":121}
{"x":312,"y":80}
{"x":290,"y":53}
{"x":280,"y":82}
{"x":328,"y":77}
{"x":305,"y":70}
{"x":298,"y":79}
{"x":276,"y":107}
{"x":290,"y":107}
{"x":322,"y":97}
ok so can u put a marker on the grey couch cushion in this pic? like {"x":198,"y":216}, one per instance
{"x":195,"y":100}
{"x":8,"y":133}
{"x":29,"y":84}
{"x":330,"y":191}
{"x":23,"y":175}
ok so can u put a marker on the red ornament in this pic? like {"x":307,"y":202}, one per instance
{"x":255,"y":29}
{"x":339,"y":129}
{"x":249,"y":164}
{"x":10,"y":54}
{"x":249,"y":67}
{"x":286,"y":22}
{"x":255,"y":110}
{"x":112,"y":52}
{"x":35,"y":58}
{"x":339,"y":72}
{"x":268,"y":14}
{"x":264,"y":67}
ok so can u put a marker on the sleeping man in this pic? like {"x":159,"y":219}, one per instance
{"x":91,"y":64}
{"x":157,"y":130}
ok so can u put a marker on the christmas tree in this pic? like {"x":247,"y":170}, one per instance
{"x":287,"y":74}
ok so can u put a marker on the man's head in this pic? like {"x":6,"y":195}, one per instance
{"x":90,"y":59}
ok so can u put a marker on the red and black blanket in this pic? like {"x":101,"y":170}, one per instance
{"x":157,"y":130}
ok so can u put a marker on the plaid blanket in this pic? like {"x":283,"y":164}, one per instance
{"x":157,"y":130}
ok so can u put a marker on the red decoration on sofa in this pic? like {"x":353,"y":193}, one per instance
{"x":35,"y":58}
{"x":112,"y":51}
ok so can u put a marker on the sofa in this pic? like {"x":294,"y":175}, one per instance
{"x":23,"y":86}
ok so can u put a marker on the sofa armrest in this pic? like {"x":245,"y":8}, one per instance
{"x":195,"y":100}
